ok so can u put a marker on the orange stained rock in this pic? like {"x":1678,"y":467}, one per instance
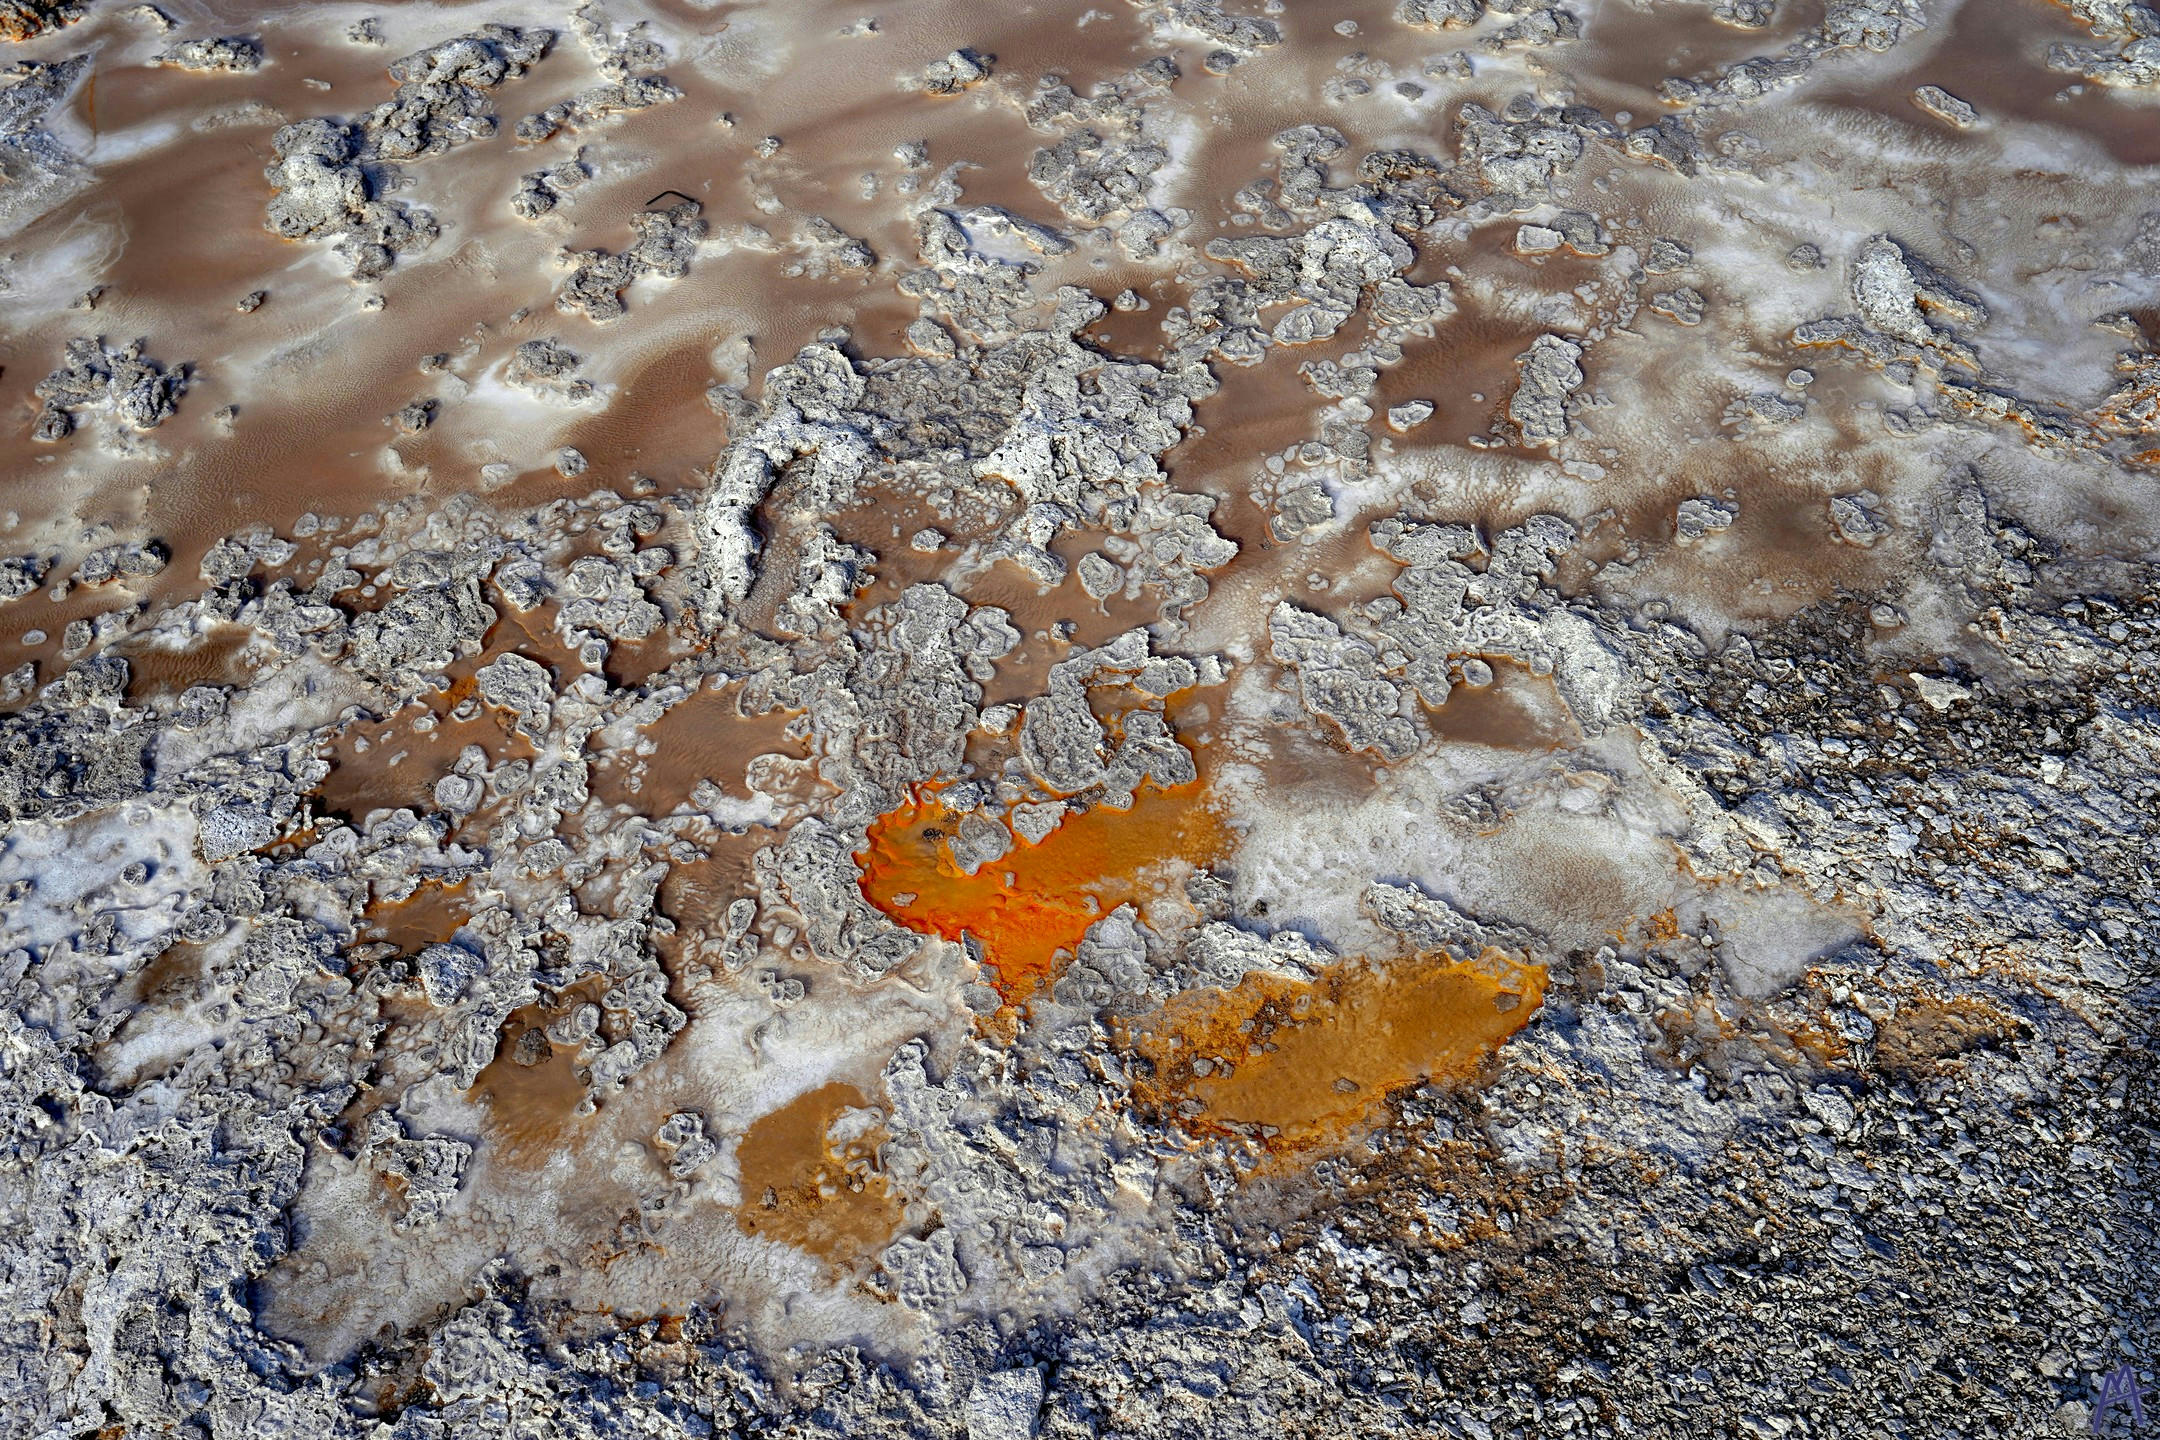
{"x":1303,"y":1063}
{"x":1039,"y":900}
{"x":806,"y":1187}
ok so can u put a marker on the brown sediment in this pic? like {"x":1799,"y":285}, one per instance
{"x":1315,"y":760}
{"x":304,"y":442}
{"x":1467,"y":372}
{"x":1992,"y":58}
{"x":532,"y":1109}
{"x":1092,"y":622}
{"x":1297,"y":1064}
{"x":1282,"y":87}
{"x":641,"y":664}
{"x":387,"y":765}
{"x":658,"y":421}
{"x":1033,"y":906}
{"x":386,"y":762}
{"x":1259,"y":411}
{"x":1022,"y":675}
{"x":1927,"y":1031}
{"x":216,"y":658}
{"x":803,"y":1187}
{"x":429,"y":916}
{"x":528,"y":636}
{"x":696,"y":894}
{"x":1135,"y":334}
{"x":1637,"y":50}
{"x":1518,"y":711}
{"x":882,"y":521}
{"x":34,"y":626}
{"x":189,"y":239}
{"x":188,"y":222}
{"x":177,"y":962}
{"x":1779,"y":556}
{"x":705,"y":737}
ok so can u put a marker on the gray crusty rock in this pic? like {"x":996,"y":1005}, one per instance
{"x":1549,"y":375}
{"x":809,"y":411}
{"x":330,"y":176}
{"x":1429,"y":925}
{"x":1891,"y":1021}
{"x":1902,"y":296}
{"x":40,"y":166}
{"x":1340,"y":679}
{"x":1699,"y":518}
{"x":628,"y":62}
{"x":1684,"y":305}
{"x":1091,"y":176}
{"x":1667,"y":256}
{"x":1440,"y":14}
{"x":1516,"y":156}
{"x":1858,"y":518}
{"x":1946,"y":107}
{"x":21,"y":575}
{"x":433,"y":616}
{"x":428,"y":1169}
{"x":683,"y":1136}
{"x":325,"y":193}
{"x":229,"y":830}
{"x":893,"y":708}
{"x":521,"y":686}
{"x":1211,"y":22}
{"x":1005,"y":1406}
{"x":814,"y":873}
{"x":664,"y":244}
{"x":548,"y":368}
{"x":1067,"y":749}
{"x":235,"y":55}
{"x":1328,"y":270}
{"x":441,"y":101}
{"x":124,"y":560}
{"x":138,"y":393}
{"x":540,"y":191}
{"x":960,"y":70}
{"x":2130,"y":56}
{"x":1442,"y":617}
{"x":1217,"y":955}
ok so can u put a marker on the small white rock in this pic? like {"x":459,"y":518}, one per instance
{"x":1409,"y":415}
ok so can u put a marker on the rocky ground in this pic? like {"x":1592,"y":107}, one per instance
{"x":1432,"y":720}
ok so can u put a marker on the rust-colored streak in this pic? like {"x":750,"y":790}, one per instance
{"x":1039,"y":900}
{"x":1299,"y":1064}
{"x":805,"y":1186}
